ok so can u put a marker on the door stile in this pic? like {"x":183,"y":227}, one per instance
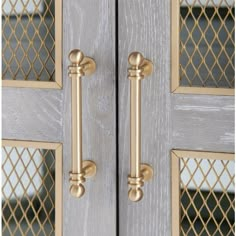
{"x":145,"y":27}
{"x":90,"y":27}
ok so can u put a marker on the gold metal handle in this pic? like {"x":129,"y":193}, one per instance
{"x":81,"y":170}
{"x":139,"y":173}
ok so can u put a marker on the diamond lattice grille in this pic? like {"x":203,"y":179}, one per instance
{"x":207,"y":47}
{"x":207,"y":200}
{"x":28,"y":191}
{"x":28,"y":40}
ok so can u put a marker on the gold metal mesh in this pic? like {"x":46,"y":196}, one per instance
{"x":28,"y":191}
{"x":203,"y":193}
{"x":28,"y":40}
{"x":207,"y":47}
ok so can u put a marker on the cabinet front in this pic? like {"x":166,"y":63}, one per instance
{"x":118,"y":117}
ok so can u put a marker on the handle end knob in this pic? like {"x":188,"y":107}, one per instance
{"x":135,"y":194}
{"x":76,"y":56}
{"x":135,"y":59}
{"x":77,"y":190}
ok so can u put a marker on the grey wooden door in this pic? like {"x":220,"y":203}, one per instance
{"x":109,"y":31}
{"x":44,"y":114}
{"x":169,"y":120}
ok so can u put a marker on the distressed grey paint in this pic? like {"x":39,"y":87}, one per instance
{"x":45,"y":115}
{"x":195,"y":122}
{"x":203,"y":122}
{"x":89,"y":25}
{"x":169,"y":121}
{"x":32,"y":114}
{"x":145,"y":27}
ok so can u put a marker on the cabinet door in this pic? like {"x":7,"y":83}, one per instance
{"x":36,"y":126}
{"x":186,"y":125}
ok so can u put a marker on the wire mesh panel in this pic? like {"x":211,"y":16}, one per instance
{"x":205,"y":192}
{"x":29,"y":45}
{"x":28,"y":190}
{"x":203,"y":40}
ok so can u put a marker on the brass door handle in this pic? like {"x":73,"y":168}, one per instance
{"x":139,"y":173}
{"x":81,"y":170}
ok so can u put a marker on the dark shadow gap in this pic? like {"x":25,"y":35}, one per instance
{"x":117,"y":111}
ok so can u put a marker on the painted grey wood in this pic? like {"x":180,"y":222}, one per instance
{"x":145,"y":26}
{"x":45,"y":115}
{"x":32,"y":114}
{"x":89,"y":25}
{"x":195,"y":122}
{"x":203,"y":122}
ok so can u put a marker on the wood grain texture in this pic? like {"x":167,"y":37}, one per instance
{"x":89,"y":26}
{"x":203,"y":122}
{"x":145,"y":26}
{"x":45,"y":115}
{"x":32,"y":114}
{"x":195,"y":122}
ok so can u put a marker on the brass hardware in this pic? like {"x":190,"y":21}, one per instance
{"x":139,"y":173}
{"x":80,"y":169}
